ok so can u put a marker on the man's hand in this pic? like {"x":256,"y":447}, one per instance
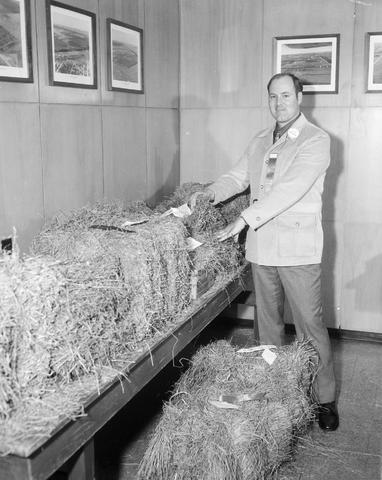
{"x":231,"y":230}
{"x":207,"y":193}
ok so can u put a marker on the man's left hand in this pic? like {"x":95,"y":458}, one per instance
{"x":231,"y":230}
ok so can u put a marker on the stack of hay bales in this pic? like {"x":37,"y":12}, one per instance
{"x":92,"y":295}
{"x":232,"y":416}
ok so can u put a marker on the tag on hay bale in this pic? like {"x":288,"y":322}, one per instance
{"x":201,"y":282}
{"x":241,"y":397}
{"x":259,"y":348}
{"x":192,"y":243}
{"x":181,"y":212}
{"x":269,"y":356}
{"x":129,"y":223}
{"x":224,"y":405}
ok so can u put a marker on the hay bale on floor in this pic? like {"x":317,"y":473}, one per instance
{"x":195,"y":440}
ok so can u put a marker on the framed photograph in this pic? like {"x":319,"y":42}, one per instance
{"x":15,"y":41}
{"x":374,"y":62}
{"x":72,"y":48}
{"x":124,"y":57}
{"x":312,"y":58}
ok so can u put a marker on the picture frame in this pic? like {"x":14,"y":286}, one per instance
{"x":72,"y":46}
{"x":374,"y":62}
{"x":124,"y":57}
{"x":15,"y":41}
{"x":312,"y":58}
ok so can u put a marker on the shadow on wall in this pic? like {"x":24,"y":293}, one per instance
{"x":163,"y":175}
{"x":368,"y":287}
{"x":168,"y":184}
{"x":203,"y":137}
{"x":329,"y":215}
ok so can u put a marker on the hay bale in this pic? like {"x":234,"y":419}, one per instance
{"x":214,"y":261}
{"x":67,"y":236}
{"x":196,"y":440}
{"x":37,"y":417}
{"x":72,"y":317}
{"x":218,"y":258}
{"x":232,"y":209}
{"x":63,"y":323}
{"x":156,"y":267}
{"x":152,"y":263}
{"x":180,"y":196}
{"x":204,"y":219}
{"x":56,"y":321}
{"x":228,"y":211}
{"x":31,"y":293}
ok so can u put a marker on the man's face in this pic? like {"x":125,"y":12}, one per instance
{"x":283,"y":102}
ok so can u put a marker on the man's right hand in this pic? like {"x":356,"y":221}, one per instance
{"x":207,"y":194}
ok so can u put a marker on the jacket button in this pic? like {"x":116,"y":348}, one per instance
{"x":261,"y":187}
{"x":258,"y":219}
{"x":297,"y":224}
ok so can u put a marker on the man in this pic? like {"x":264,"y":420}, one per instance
{"x":285,"y":169}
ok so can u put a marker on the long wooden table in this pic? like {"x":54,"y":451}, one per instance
{"x":74,"y":440}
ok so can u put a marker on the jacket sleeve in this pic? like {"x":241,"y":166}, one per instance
{"x":307,"y":167}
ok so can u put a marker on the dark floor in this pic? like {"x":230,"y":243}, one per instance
{"x":353,"y":452}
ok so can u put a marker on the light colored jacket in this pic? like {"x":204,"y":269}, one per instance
{"x":284,"y":217}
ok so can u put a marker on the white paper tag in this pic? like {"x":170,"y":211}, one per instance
{"x":181,"y":212}
{"x":192,"y":243}
{"x":269,"y":356}
{"x":225,"y":405}
{"x":241,"y":397}
{"x":129,"y":223}
{"x":259,"y":348}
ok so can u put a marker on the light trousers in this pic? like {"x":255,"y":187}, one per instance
{"x":301,"y":285}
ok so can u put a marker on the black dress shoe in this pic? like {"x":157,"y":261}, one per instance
{"x":328,"y":416}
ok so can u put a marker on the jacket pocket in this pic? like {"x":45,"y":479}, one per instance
{"x":297,"y":235}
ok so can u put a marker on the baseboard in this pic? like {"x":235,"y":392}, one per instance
{"x":342,"y":334}
{"x":243,"y":315}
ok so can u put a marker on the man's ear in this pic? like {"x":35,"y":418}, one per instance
{"x":299,"y":98}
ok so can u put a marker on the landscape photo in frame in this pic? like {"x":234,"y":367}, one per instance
{"x":374,"y":60}
{"x":125,"y":57}
{"x":71,"y":46}
{"x":15,"y":41}
{"x":313,"y":59}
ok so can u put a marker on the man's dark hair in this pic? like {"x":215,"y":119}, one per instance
{"x":298,"y":86}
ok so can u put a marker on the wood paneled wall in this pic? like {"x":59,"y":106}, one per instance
{"x":62,"y":148}
{"x":226,"y":61}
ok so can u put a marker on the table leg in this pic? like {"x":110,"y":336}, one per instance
{"x":82,"y":467}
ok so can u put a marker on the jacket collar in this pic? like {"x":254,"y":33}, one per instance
{"x":298,"y":125}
